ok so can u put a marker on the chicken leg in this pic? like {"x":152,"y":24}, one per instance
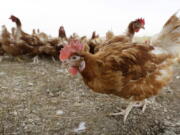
{"x":36,"y":60}
{"x":126,"y":111}
{"x":19,"y":59}
{"x":143,"y":104}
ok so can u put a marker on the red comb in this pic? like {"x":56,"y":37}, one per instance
{"x":73,"y":47}
{"x":141,"y":20}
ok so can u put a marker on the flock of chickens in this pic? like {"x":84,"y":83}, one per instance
{"x":18,"y":43}
{"x":114,"y":65}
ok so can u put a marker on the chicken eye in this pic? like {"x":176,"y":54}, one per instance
{"x":74,"y":58}
{"x":138,"y":25}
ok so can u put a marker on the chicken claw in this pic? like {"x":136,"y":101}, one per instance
{"x":126,"y":111}
{"x":19,"y":59}
{"x":143,"y":104}
{"x":36,"y":60}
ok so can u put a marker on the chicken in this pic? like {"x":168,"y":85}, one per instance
{"x":1,"y":50}
{"x":43,"y":37}
{"x":34,"y":32}
{"x":133,"y":27}
{"x":169,"y":37}
{"x":62,"y":33}
{"x":20,"y":36}
{"x":54,"y":45}
{"x":12,"y":48}
{"x":94,"y":42}
{"x":109,"y":35}
{"x":61,"y":40}
{"x":74,"y":36}
{"x":84,"y":41}
{"x":17,"y":33}
{"x":129,"y":70}
{"x":13,"y":35}
{"x":49,"y":50}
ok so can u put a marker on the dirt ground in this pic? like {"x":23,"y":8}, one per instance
{"x":43,"y":99}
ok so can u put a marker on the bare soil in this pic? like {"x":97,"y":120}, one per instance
{"x":44,"y":99}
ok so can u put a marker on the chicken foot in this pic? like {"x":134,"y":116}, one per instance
{"x":36,"y":60}
{"x":143,"y":104}
{"x":19,"y":59}
{"x":126,"y":111}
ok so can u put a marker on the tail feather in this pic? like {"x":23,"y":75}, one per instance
{"x":169,"y":37}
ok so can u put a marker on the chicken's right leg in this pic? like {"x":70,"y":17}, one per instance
{"x":53,"y":59}
{"x":19,"y":59}
{"x":126,"y":111}
{"x":1,"y":58}
{"x":35,"y":60}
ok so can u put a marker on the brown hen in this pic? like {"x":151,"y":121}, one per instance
{"x":132,"y":71}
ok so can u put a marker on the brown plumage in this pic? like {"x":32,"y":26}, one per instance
{"x":43,"y":37}
{"x":94,"y":42}
{"x":84,"y":41}
{"x":109,"y":35}
{"x":48,"y":50}
{"x":18,"y":32}
{"x":134,"y":26}
{"x":56,"y":44}
{"x":19,"y":35}
{"x":131,"y":71}
{"x":39,"y":43}
{"x":61,"y":40}
{"x":12,"y":48}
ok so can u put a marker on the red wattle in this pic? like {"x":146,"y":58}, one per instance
{"x":73,"y":70}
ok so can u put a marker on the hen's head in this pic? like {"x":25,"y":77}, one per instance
{"x":138,"y":24}
{"x":61,"y":28}
{"x":62,"y":32}
{"x":94,"y":35}
{"x":13,"y":18}
{"x":71,"y":57}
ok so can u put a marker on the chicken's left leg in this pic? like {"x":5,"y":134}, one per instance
{"x":143,"y":104}
{"x":126,"y":111}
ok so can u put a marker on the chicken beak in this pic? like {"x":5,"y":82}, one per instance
{"x":142,"y":27}
{"x":65,"y":63}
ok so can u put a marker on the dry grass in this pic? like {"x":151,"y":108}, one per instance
{"x":43,"y":99}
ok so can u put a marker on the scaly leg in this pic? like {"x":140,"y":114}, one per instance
{"x":53,"y":59}
{"x":19,"y":59}
{"x":153,"y":99}
{"x":1,"y":58}
{"x":143,"y":104}
{"x":169,"y":90}
{"x":126,"y":111}
{"x":35,"y":60}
